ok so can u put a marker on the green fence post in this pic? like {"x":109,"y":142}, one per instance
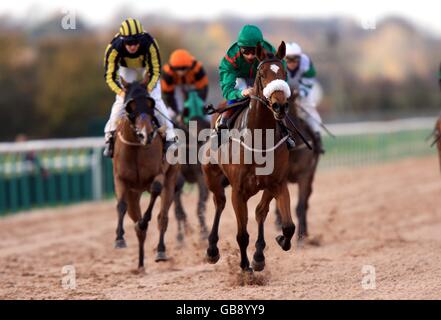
{"x":64,"y":180}
{"x":76,"y":175}
{"x":24,"y":182}
{"x":38,"y":181}
{"x":13,"y":186}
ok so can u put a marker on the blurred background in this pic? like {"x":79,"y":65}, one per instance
{"x":374,"y":62}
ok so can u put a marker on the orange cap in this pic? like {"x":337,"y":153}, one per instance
{"x":181,"y":58}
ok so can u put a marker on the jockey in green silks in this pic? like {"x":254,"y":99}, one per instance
{"x":238,"y":68}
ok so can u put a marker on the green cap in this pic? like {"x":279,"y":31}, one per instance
{"x":249,"y":36}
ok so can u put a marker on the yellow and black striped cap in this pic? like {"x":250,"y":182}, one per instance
{"x":130,"y":27}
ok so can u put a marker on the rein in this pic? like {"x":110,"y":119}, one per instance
{"x":129,"y":143}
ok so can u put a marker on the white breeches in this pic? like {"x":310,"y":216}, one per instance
{"x":118,"y":111}
{"x":311,"y":116}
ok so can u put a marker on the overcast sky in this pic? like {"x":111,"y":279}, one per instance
{"x":425,"y":13}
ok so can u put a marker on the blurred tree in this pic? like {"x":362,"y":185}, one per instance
{"x":71,"y":87}
{"x":17,"y":86}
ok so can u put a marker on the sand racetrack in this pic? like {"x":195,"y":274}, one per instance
{"x":387,"y":216}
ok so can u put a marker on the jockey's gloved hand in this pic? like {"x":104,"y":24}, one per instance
{"x":247,"y":92}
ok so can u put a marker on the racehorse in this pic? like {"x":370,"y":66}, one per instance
{"x":138,"y":166}
{"x":264,"y":113}
{"x":302,"y":167}
{"x":191,"y":173}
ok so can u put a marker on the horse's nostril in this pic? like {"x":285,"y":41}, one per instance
{"x":140,"y":136}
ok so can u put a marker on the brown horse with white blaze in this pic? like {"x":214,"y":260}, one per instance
{"x":264,"y":114}
{"x":139,"y":165}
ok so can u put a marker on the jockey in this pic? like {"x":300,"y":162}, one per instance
{"x":301,"y":77}
{"x":182,"y":74}
{"x":132,"y":54}
{"x":238,"y":70}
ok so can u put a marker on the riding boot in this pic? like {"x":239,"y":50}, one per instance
{"x":223,"y":125}
{"x":224,"y":118}
{"x":109,"y":145}
{"x":318,"y":145}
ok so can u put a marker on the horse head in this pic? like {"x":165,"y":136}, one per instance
{"x":139,"y":108}
{"x":270,"y":80}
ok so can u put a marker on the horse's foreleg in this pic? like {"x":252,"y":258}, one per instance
{"x":213,"y":177}
{"x":241,"y":210}
{"x":261,"y":213}
{"x":202,"y":201}
{"x":278,"y":221}
{"x":179,"y":211}
{"x":288,"y":226}
{"x":166,"y":201}
{"x":305,"y":190}
{"x":121,"y":208}
{"x":134,"y":211}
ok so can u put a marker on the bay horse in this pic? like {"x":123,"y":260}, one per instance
{"x":264,"y":113}
{"x":302,"y":168}
{"x":139,"y":165}
{"x":192,"y":173}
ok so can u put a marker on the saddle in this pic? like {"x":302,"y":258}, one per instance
{"x":237,"y":108}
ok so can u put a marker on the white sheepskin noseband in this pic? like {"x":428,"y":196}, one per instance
{"x":276,"y":85}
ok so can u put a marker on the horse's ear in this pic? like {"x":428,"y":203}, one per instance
{"x":281,"y":52}
{"x":260,"y":52}
{"x":124,"y":83}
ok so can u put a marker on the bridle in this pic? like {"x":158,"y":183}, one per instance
{"x":132,"y":116}
{"x":263,"y":100}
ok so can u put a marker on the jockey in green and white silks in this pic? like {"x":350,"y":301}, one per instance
{"x":301,"y":77}
{"x":238,"y":69}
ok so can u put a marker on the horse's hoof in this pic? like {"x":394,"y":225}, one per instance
{"x":180,"y":238}
{"x":120,"y":244}
{"x":248,"y":270}
{"x":258,"y":265}
{"x":213,"y":260}
{"x":161,"y":256}
{"x":285,"y":245}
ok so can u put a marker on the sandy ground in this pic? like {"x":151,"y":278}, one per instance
{"x":385,"y":216}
